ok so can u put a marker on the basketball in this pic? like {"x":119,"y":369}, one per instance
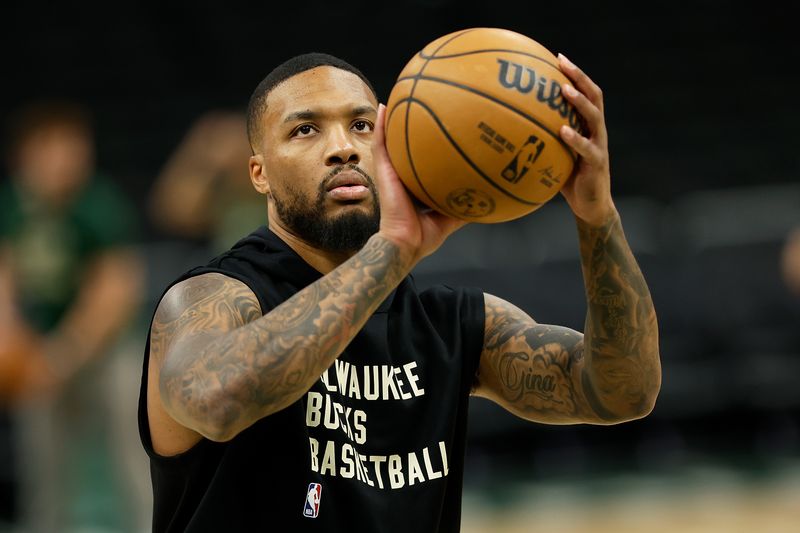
{"x":15,"y":362}
{"x":472,"y":125}
{"x":24,"y":369}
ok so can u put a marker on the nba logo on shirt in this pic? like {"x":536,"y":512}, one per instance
{"x":311,"y":508}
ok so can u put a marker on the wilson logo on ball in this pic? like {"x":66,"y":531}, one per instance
{"x":547,"y":91}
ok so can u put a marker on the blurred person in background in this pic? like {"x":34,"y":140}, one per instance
{"x":70,"y":281}
{"x":790,"y":261}
{"x":203,"y":193}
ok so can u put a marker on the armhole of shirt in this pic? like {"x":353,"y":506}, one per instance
{"x":181,"y":458}
{"x":473,"y":324}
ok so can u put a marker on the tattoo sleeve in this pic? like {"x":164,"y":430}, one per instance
{"x":554,"y":374}
{"x":223,"y":366}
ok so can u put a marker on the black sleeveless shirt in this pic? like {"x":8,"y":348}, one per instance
{"x":376,"y":445}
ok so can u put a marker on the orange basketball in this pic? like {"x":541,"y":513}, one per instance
{"x":472,"y":125}
{"x":16,"y":354}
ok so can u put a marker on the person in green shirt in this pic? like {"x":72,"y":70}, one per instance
{"x":70,"y":282}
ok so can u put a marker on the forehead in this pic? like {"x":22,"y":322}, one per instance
{"x":56,"y":132}
{"x":318,"y":88}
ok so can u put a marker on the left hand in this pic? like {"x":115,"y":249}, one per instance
{"x":588,"y":191}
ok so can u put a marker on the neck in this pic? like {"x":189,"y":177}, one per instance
{"x":322,"y":261}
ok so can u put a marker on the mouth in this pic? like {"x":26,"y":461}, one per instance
{"x":348,"y":185}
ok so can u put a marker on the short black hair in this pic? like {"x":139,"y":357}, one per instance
{"x":39,"y":115}
{"x":284,"y":71}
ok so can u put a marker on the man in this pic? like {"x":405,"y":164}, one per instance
{"x":70,"y":280}
{"x":300,"y":382}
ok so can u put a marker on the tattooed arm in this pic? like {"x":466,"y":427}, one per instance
{"x":217,"y":365}
{"x":557,"y":375}
{"x":554,"y":374}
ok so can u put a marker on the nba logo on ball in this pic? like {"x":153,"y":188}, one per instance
{"x":311,"y":507}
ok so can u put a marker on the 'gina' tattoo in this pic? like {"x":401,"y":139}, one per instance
{"x":531,"y":366}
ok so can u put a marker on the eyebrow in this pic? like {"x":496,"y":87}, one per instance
{"x":308,"y":114}
{"x":301,"y":115}
{"x":363,"y":110}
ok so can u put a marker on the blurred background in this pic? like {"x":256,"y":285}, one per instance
{"x":125,"y":163}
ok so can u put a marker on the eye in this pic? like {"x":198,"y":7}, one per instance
{"x":362,"y":126}
{"x":303,"y":131}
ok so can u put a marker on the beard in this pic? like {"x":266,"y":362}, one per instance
{"x":343,"y":233}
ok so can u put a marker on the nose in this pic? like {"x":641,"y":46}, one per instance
{"x":340,"y":149}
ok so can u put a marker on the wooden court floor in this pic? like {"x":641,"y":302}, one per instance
{"x":698,"y":500}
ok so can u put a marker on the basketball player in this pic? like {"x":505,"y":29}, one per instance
{"x":300,"y":382}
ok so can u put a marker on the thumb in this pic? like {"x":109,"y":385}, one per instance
{"x":380,"y":154}
{"x":390,"y":189}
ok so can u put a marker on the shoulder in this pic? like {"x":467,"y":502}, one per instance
{"x":102,"y":194}
{"x":208,"y":295}
{"x":500,"y":313}
{"x":106,"y":213}
{"x":448,"y":296}
{"x":10,"y":214}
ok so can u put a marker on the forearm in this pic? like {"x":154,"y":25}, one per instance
{"x":107,"y":299}
{"x":269,"y":363}
{"x":622,"y":375}
{"x":7,"y":308}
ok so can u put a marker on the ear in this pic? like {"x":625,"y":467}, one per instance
{"x":258,"y":175}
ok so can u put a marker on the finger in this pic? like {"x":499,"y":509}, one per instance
{"x":592,"y":115}
{"x":380,"y":155}
{"x":378,"y":133}
{"x":582,"y":82}
{"x":391,"y":189}
{"x":585,"y":148}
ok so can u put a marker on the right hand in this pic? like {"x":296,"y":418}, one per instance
{"x":417,"y":231}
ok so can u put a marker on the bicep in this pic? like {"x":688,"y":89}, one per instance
{"x":536,"y":371}
{"x":190,"y":317}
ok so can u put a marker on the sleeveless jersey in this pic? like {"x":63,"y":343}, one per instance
{"x":376,"y":445}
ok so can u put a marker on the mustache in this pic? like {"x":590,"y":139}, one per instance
{"x":349,"y":166}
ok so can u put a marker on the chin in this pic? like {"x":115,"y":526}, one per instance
{"x":356,"y":205}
